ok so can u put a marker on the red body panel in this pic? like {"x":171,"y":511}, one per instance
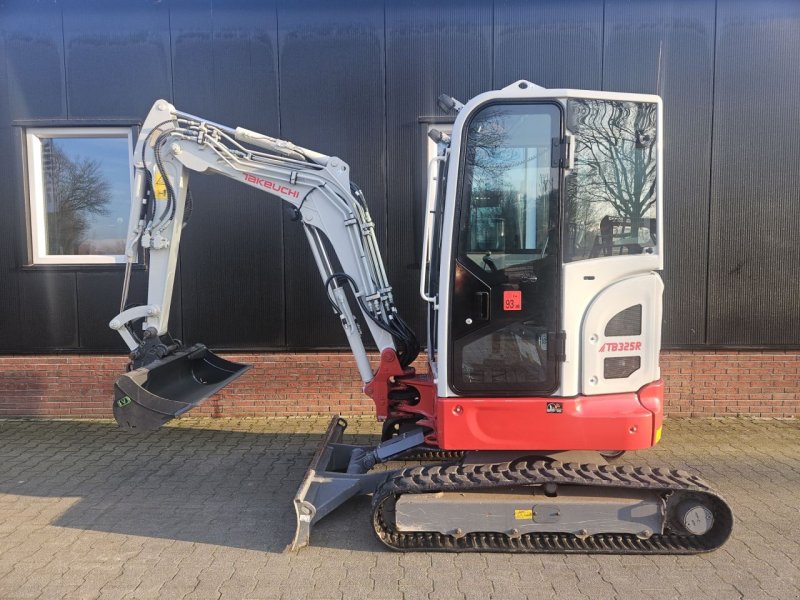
{"x":627,"y":421}
{"x":610,"y":422}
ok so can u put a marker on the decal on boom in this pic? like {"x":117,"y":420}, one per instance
{"x":271,"y":185}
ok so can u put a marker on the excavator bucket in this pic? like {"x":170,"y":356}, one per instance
{"x":148,"y":397}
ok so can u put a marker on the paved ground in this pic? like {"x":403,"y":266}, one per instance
{"x":203,"y":510}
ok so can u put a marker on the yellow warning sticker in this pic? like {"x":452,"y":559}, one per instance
{"x":657,"y":436}
{"x":159,"y":186}
{"x":523,"y":514}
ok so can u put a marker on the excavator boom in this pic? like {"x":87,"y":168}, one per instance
{"x":166,"y":378}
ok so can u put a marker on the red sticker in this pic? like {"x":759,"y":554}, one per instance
{"x":512,"y":300}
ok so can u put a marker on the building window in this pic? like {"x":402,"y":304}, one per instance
{"x":79,"y":182}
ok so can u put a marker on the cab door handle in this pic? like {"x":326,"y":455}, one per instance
{"x":483,"y":305}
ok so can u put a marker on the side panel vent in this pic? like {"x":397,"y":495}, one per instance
{"x":620,"y":367}
{"x":626,"y":322}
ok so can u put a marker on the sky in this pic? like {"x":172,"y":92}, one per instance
{"x":113,"y":156}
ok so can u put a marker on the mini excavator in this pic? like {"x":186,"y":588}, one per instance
{"x":541,"y":250}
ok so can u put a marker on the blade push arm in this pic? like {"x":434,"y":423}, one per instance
{"x":332,"y":211}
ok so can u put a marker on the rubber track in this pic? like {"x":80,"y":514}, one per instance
{"x":429,"y":479}
{"x":426,"y":454}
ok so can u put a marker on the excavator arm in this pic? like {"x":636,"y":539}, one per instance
{"x":166,"y":378}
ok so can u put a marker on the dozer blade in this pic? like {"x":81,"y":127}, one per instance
{"x":305,"y":500}
{"x":340,"y":471}
{"x":148,"y":397}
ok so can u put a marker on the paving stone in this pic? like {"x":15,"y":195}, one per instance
{"x":202,"y":509}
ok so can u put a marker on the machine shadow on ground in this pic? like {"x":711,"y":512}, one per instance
{"x":229,"y":488}
{"x":233,"y":486}
{"x":85,"y":506}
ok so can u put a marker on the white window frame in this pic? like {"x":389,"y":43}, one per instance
{"x":36,"y":200}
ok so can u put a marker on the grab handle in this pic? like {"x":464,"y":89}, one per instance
{"x":430,"y":209}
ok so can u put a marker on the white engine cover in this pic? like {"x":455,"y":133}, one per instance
{"x":596,"y":347}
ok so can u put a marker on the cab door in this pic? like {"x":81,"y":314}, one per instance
{"x":505,"y":300}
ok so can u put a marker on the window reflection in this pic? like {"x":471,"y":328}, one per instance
{"x":514,"y":354}
{"x":86,"y":195}
{"x":508,"y":244}
{"x":611,"y":193}
{"x":509,"y":182}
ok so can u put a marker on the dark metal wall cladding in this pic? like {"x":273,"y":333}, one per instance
{"x":553,"y":43}
{"x":34,"y":46}
{"x":431,"y":48}
{"x":9,"y":275}
{"x":117,"y":57}
{"x":48,"y":309}
{"x":9,"y":233}
{"x":670,"y":44}
{"x":31,"y":85}
{"x":754,"y":254}
{"x":94,"y":302}
{"x":232,"y":271}
{"x":9,"y":293}
{"x":351,"y":77}
{"x":332,"y":100}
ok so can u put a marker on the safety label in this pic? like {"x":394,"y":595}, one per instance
{"x":512,"y":300}
{"x":159,"y":186}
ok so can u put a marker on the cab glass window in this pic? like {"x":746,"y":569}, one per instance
{"x":511,"y":187}
{"x":610,"y":195}
{"x":506,"y":287}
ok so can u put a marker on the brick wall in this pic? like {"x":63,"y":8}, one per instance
{"x":726,"y":383}
{"x":708,"y":383}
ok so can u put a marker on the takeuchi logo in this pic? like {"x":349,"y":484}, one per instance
{"x":277,"y":188}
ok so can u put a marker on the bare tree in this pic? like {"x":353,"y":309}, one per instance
{"x":76,"y":190}
{"x":616,"y":163}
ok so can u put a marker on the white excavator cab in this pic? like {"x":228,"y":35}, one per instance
{"x":546,"y":192}
{"x":542,"y":246}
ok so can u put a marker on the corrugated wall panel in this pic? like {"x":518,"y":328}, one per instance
{"x":191,"y":33}
{"x":48,"y":310}
{"x":35,"y":57}
{"x":681,"y":33}
{"x":355,"y":77}
{"x":431,"y":48}
{"x":551,"y":43}
{"x":332,"y":100}
{"x":5,"y":89}
{"x":98,"y":296}
{"x":117,"y":57}
{"x":117,"y":63}
{"x":32,"y":76}
{"x":225,"y":62}
{"x":10,"y":226}
{"x":754,"y":254}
